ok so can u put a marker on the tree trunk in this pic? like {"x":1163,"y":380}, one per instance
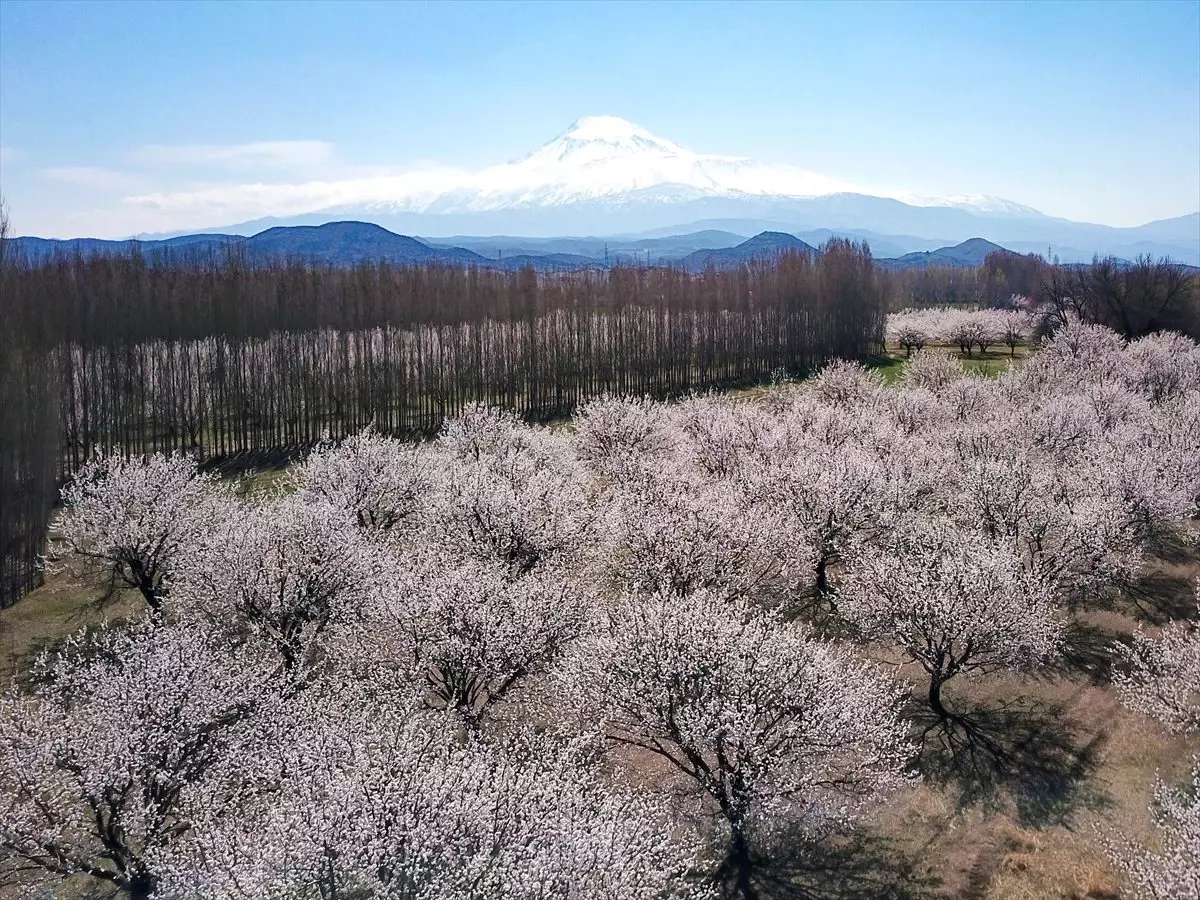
{"x":740,"y":866}
{"x":154,"y":600}
{"x":140,"y":887}
{"x":935,"y":697}
{"x":822,"y":577}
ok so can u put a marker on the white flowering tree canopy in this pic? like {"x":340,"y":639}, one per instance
{"x":774,"y":726}
{"x":136,"y":518}
{"x":954,"y":600}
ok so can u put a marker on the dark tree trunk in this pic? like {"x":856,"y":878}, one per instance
{"x":935,"y":697}
{"x":140,"y":887}
{"x":154,"y":600}
{"x":740,"y":867}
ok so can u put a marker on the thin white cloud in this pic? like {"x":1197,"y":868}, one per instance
{"x":414,"y":189}
{"x":93,"y":177}
{"x":256,"y":154}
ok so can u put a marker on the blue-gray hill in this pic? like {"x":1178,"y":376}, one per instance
{"x":969,"y":253}
{"x":335,"y":243}
{"x":767,"y":245}
{"x":353,"y":243}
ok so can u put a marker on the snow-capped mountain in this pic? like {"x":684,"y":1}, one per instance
{"x":976,"y":203}
{"x":607,"y":159}
{"x":612,"y":162}
{"x":607,"y":176}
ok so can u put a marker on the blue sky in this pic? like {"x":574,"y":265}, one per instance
{"x":1089,"y":111}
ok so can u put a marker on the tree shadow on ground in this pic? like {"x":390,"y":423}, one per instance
{"x":1159,"y":597}
{"x":1172,"y":546}
{"x":1026,"y":751}
{"x":1088,"y":651}
{"x":855,"y":866}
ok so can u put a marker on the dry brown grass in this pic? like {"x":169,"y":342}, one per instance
{"x":66,"y":603}
{"x":1041,"y":833}
{"x":1036,"y":837}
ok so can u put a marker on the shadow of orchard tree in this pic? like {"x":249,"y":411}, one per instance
{"x":1160,"y":597}
{"x":855,"y":866}
{"x":1026,"y":750}
{"x":1087,"y":651}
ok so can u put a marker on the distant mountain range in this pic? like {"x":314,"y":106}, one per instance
{"x":351,"y":243}
{"x":607,"y":176}
{"x":767,"y":245}
{"x":337,"y":243}
{"x":970,"y":254}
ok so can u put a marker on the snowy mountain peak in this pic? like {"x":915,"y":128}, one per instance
{"x":596,"y":139}
{"x":974,"y":203}
{"x":606,"y":162}
{"x":610,"y":130}
{"x":609,"y":159}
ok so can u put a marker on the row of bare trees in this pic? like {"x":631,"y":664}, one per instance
{"x":1138,"y":299}
{"x":220,"y":358}
{"x":29,"y":446}
{"x":993,"y":283}
{"x":1134,"y":299}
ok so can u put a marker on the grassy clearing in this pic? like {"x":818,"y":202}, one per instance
{"x":262,"y":482}
{"x":990,"y":364}
{"x":890,"y":366}
{"x":66,"y":603}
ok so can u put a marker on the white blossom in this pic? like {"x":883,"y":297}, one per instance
{"x":98,"y":758}
{"x":1163,"y":681}
{"x":471,"y":634}
{"x":613,"y":432}
{"x":520,"y":502}
{"x":678,"y":531}
{"x":1172,"y":870}
{"x":929,"y":369}
{"x":281,"y":573}
{"x":374,"y":805}
{"x":775,"y":728}
{"x":954,"y":600}
{"x":379,"y":482}
{"x":135,"y":517}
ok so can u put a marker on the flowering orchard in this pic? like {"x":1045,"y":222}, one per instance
{"x":629,"y":658}
{"x":1164,"y":683}
{"x":913,"y":329}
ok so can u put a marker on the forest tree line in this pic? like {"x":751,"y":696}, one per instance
{"x":223,"y":359}
{"x":29,"y":442}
